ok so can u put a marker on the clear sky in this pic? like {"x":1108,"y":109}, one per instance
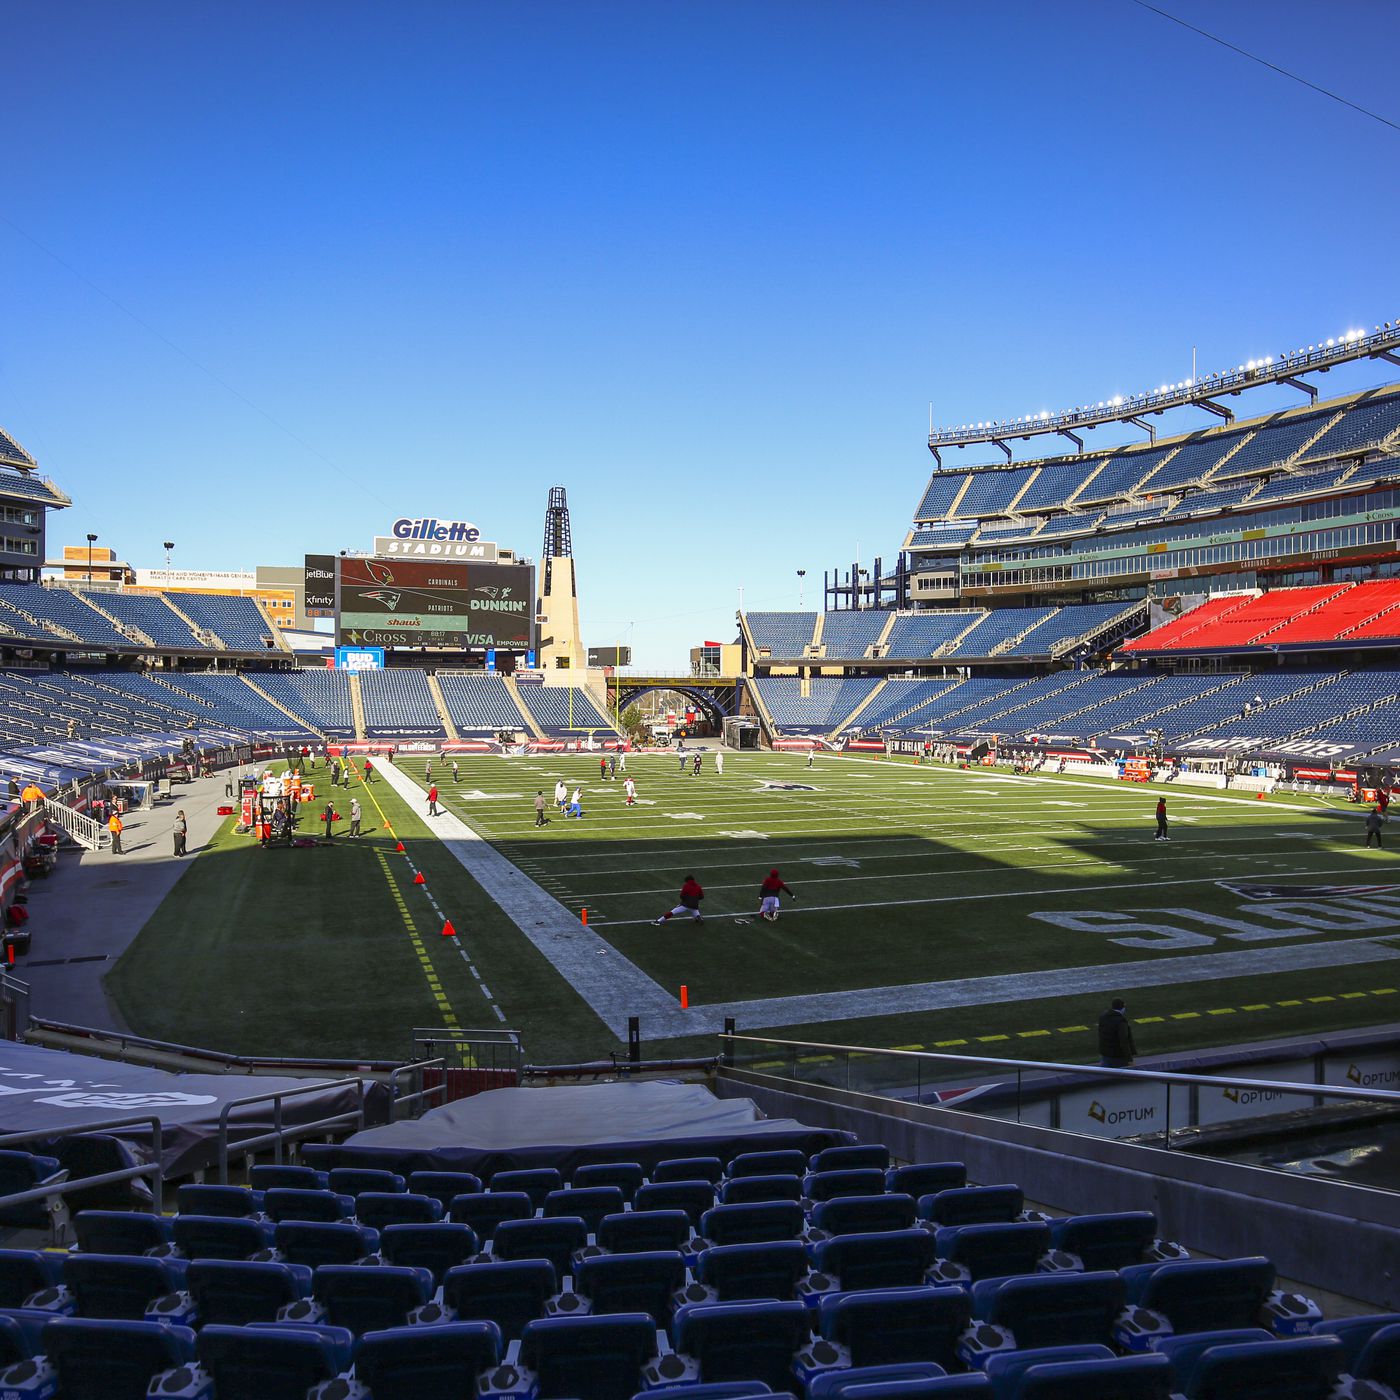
{"x":274,"y":274}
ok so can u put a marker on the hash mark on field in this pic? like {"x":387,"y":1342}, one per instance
{"x":985,"y":1038}
{"x":944,"y":1044}
{"x":1322,"y":998}
{"x":1291,"y":1001}
{"x":1256,"y":1006}
{"x":1186,"y":1015}
{"x":1382,"y":991}
{"x":1067,"y":1030}
{"x":1142,"y":1021}
{"x":1222,"y":1011}
{"x":1351,"y":996}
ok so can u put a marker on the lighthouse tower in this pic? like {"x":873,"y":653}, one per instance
{"x":557,"y":613}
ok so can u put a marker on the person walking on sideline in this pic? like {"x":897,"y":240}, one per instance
{"x":540,"y":818}
{"x":180,"y":833}
{"x":369,"y":771}
{"x":612,"y":764}
{"x":1116,"y":1048}
{"x":630,"y":786}
{"x":681,"y":756}
{"x":602,"y":769}
{"x":114,"y":825}
{"x":328,"y":816}
{"x":690,"y":897}
{"x":811,"y":757}
{"x":432,"y":801}
{"x":354,"y":816}
{"x":719,"y":764}
{"x":561,"y":795}
{"x":575,"y":808}
{"x":1374,"y":820}
{"x":622,"y":759}
{"x":1161,"y":820}
{"x":768,"y":893}
{"x":695,"y":769}
{"x":454,"y":770}
{"x":428,"y":771}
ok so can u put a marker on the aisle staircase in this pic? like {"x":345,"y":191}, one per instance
{"x":357,"y":704}
{"x":527,"y":720}
{"x":85,"y":830}
{"x":440,"y":704}
{"x":277,"y":704}
{"x":205,"y":637}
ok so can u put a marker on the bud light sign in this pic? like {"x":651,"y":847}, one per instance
{"x":359,"y":658}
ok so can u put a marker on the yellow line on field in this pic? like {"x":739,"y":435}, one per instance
{"x":449,"y":1016}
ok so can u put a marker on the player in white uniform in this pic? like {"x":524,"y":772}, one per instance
{"x":561,"y":795}
{"x":719,"y":763}
{"x":631,"y":788}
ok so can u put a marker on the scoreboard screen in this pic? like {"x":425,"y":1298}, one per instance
{"x":400,"y":602}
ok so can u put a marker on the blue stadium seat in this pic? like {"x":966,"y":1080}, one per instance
{"x":218,"y":1237}
{"x":885,"y":1259}
{"x":535,"y":1182}
{"x":833,"y":1384}
{"x":273,"y":1363}
{"x":298,"y":1178}
{"x":1139,"y":1377}
{"x":25,"y":1272}
{"x":1379,"y":1360}
{"x":483,"y":1211}
{"x":709,"y":1169}
{"x":973,"y":1205}
{"x":1185,"y":1351}
{"x":444,"y":1187}
{"x":1200,"y":1295}
{"x":23,"y":1171}
{"x":508,"y":1294}
{"x":854,"y":1181}
{"x":693,"y":1197}
{"x":885,"y":1326}
{"x":853,"y":1215}
{"x":426,"y":1363}
{"x":555,"y":1239}
{"x":846,"y":1158}
{"x":1051,"y":1310}
{"x":1287,"y":1368}
{"x":720,"y":1390}
{"x":234,"y":1292}
{"x":731,"y":1272}
{"x":1106,"y":1241}
{"x":19,"y":1335}
{"x":588,"y":1358}
{"x":926,"y":1178}
{"x":380,"y":1208}
{"x":1005,"y":1368}
{"x":744,"y":1189}
{"x":233,"y":1202}
{"x":437,"y":1247}
{"x":118,"y":1286}
{"x":791,"y":1163}
{"x":291,"y":1203}
{"x":120,"y":1231}
{"x":588,"y":1203}
{"x":639,"y":1231}
{"x":370,"y":1298}
{"x":1355,"y":1332}
{"x":632,"y":1283}
{"x":734,"y":1342}
{"x":945,"y":1388}
{"x":626,"y":1176}
{"x":317,"y":1242}
{"x":974,"y":1252}
{"x":351,"y":1181}
{"x":111,"y":1360}
{"x":753,"y":1224}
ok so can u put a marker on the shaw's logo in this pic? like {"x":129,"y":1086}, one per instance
{"x":429,"y":528}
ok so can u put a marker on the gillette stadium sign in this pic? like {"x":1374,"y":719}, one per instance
{"x":430,"y":538}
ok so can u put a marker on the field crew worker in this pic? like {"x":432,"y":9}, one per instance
{"x":1161,"y":820}
{"x":114,"y":825}
{"x":355,"y":816}
{"x":1116,"y":1048}
{"x":32,"y":795}
{"x":540,"y":818}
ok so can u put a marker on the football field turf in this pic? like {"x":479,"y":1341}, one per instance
{"x":936,"y":908}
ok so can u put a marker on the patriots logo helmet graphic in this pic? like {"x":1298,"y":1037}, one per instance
{"x":387,"y":596}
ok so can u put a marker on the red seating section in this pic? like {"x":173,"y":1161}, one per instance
{"x":1183,"y":632}
{"x":1351,"y":609}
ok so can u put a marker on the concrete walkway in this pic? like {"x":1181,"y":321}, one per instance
{"x":85,"y":915}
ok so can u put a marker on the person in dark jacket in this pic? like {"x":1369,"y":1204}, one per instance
{"x":1374,"y":821}
{"x":690,"y":897}
{"x":181,"y":832}
{"x":1161,"y":820}
{"x":1116,"y":1048}
{"x":768,"y":896}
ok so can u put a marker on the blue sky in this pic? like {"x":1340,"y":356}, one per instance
{"x":272,"y":275}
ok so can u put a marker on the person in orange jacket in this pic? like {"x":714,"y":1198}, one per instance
{"x":114,"y":825}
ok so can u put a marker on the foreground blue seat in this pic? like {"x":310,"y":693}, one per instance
{"x":111,"y":1360}
{"x":427,"y":1363}
{"x":437,"y":1247}
{"x":832,"y":1159}
{"x":1379,"y":1359}
{"x":444,"y":1187}
{"x":1289,"y":1368}
{"x":291,"y":1203}
{"x":118,"y":1286}
{"x":120,"y":1231}
{"x":720,"y":1390}
{"x":743,"y":1189}
{"x":734,"y":1342}
{"x":352,"y":1181}
{"x":555,"y":1239}
{"x":24,"y":1171}
{"x":887,"y":1326}
{"x":371,"y":1298}
{"x":508,"y":1294}
{"x":694,"y":1197}
{"x":626,"y":1176}
{"x":235,"y":1292}
{"x":732,"y":1272}
{"x":632,"y":1283}
{"x":768,"y":1164}
{"x":863,"y":1215}
{"x":380,"y":1208}
{"x":220,"y":1237}
{"x":640,"y":1231}
{"x":1050,"y":1310}
{"x":759,"y":1223}
{"x":19,"y":1335}
{"x":314,"y":1242}
{"x":273,"y":1363}
{"x":589,"y":1358}
{"x":536,"y":1183}
{"x":1202,"y":1295}
{"x":1185,"y":1351}
{"x":1355,"y":1332}
{"x":709,"y":1169}
{"x":833,"y":1385}
{"x":232,"y":1201}
{"x":854,"y":1181}
{"x":884,"y":1259}
{"x":972,"y":1205}
{"x":1146,"y":1377}
{"x":25,"y":1272}
{"x":976,"y":1252}
{"x":1109,"y":1241}
{"x":297,"y":1178}
{"x":483,"y":1211}
{"x":588,"y":1203}
{"x":943,"y":1388}
{"x":1005,"y":1368}
{"x":926,"y":1178}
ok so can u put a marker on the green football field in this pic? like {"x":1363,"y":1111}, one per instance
{"x":936,"y":908}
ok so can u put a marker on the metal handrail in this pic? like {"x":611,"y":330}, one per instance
{"x":279,"y":1134}
{"x":1095,"y":1071}
{"x":154,"y":1168}
{"x":439,"y":1089}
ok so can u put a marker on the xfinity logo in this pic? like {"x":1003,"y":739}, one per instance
{"x":429,"y":528}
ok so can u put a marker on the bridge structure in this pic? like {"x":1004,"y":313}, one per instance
{"x":715,"y":696}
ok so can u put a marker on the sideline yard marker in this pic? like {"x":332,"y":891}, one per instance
{"x":685,"y":997}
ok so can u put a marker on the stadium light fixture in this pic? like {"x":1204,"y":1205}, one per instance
{"x":92,"y":540}
{"x":168,"y":545}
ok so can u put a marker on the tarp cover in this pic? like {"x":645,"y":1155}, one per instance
{"x":566,"y":1127}
{"x":55,"y":1089}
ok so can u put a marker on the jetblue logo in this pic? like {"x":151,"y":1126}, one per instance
{"x":429,"y":528}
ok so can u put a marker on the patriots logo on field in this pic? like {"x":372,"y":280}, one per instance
{"x":786,"y":787}
{"x":388,"y":597}
{"x":1302,"y":891}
